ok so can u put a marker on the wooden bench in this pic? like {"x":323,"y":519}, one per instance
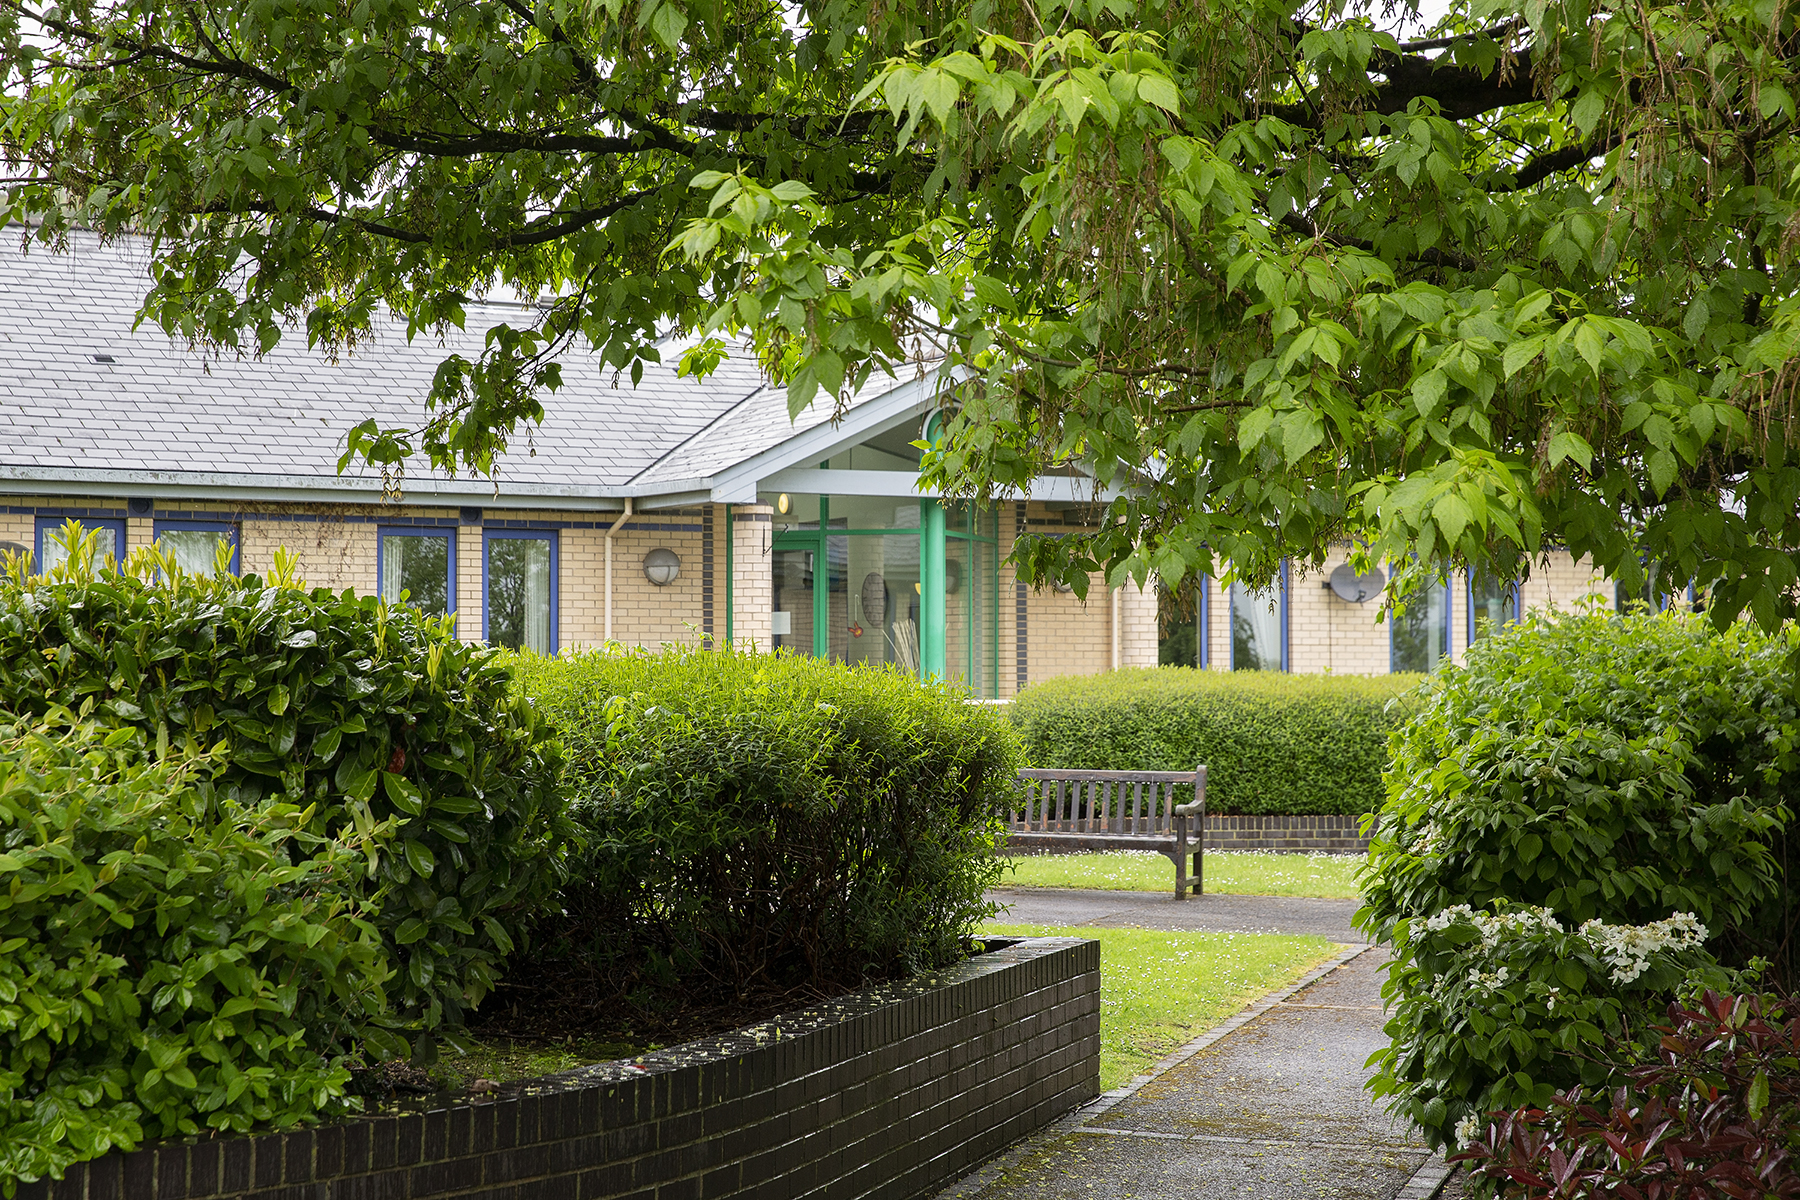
{"x":1073,"y":811}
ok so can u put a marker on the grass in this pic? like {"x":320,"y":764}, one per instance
{"x":1235,"y":872}
{"x":1159,"y":990}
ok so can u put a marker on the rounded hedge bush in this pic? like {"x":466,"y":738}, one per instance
{"x":361,"y":712}
{"x":1600,"y":768}
{"x":757,"y":821}
{"x":1271,"y":742}
{"x":172,"y":960}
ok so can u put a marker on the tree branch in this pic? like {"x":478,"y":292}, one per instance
{"x":1544,"y":165}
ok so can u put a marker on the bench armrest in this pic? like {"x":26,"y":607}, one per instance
{"x":1193,"y":808}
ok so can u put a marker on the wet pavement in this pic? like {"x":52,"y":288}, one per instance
{"x":1269,"y":1105}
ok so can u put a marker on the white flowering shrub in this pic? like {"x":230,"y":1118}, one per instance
{"x":1549,"y":806}
{"x":1502,"y":1009}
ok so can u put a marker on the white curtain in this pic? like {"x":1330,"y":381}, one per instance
{"x":393,"y":568}
{"x":106,"y":541}
{"x":194,"y":549}
{"x":537,"y":597}
{"x":1255,"y":628}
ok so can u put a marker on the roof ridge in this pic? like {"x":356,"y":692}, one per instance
{"x":720,"y":416}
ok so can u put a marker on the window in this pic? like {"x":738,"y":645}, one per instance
{"x":1492,"y":603}
{"x":520,"y":578}
{"x":195,"y":544}
{"x":1419,"y":635}
{"x":109,"y":541}
{"x":1259,"y":633}
{"x":419,"y":564}
{"x":1654,"y":595}
{"x":1181,"y":631}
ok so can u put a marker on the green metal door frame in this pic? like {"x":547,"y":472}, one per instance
{"x":814,"y":541}
{"x":932,"y":609}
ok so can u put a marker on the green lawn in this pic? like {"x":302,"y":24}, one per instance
{"x":1159,"y":990}
{"x":1243,"y":873}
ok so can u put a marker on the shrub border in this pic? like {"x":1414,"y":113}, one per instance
{"x":890,"y":1092}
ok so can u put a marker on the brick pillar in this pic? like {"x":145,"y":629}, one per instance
{"x":470,"y":564}
{"x":1137,"y":624}
{"x":752,"y":582}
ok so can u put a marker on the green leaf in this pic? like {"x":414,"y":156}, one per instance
{"x":668,"y":24}
{"x":1428,"y":391}
{"x":278,"y":699}
{"x":411,"y":930}
{"x":1756,"y":1101}
{"x":1158,"y":90}
{"x":420,"y":858}
{"x":1570,"y":445}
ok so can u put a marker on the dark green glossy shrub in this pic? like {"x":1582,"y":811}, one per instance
{"x":1607,"y":768}
{"x":1270,"y":742}
{"x":766,"y":821}
{"x":172,"y":959}
{"x":360,"y":711}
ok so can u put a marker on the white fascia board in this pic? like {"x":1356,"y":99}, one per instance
{"x":906,"y":485}
{"x":739,"y":484}
{"x":293,"y":489}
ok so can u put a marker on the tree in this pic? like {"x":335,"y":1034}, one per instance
{"x":1527,"y":279}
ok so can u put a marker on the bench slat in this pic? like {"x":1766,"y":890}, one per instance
{"x":1048,"y":773}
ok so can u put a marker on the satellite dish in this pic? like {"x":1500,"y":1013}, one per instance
{"x":1353,"y":588}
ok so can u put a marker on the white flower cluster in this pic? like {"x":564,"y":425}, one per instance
{"x":1466,"y":1130}
{"x":1627,"y":949}
{"x":1494,"y":926}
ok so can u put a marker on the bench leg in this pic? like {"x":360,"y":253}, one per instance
{"x":1199,"y":871}
{"x":1180,"y":857}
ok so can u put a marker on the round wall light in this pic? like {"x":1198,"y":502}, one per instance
{"x":782,"y":503}
{"x":662,"y":566}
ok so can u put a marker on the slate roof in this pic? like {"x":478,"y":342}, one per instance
{"x":160,"y":406}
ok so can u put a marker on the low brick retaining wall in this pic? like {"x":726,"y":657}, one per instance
{"x":891,"y":1092}
{"x":1295,"y":834}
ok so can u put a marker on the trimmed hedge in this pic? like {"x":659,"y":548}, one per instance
{"x":171,"y":960}
{"x":1270,"y":742}
{"x":758,"y":822}
{"x":1598,"y":768}
{"x":365,"y":714}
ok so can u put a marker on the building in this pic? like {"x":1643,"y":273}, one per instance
{"x":672,"y":511}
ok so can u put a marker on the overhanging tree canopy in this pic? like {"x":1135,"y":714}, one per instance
{"x":1528,"y":279}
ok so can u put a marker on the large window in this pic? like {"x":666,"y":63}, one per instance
{"x":1259,"y":629}
{"x":109,"y":541}
{"x":520,"y":592}
{"x":1492,"y":604}
{"x":195,"y":544}
{"x":1419,"y":634}
{"x":419,"y":567}
{"x":848,"y":584}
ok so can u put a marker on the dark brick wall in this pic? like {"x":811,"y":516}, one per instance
{"x":891,"y":1093}
{"x":1337,"y":834}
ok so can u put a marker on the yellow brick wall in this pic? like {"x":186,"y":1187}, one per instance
{"x":643,"y":613}
{"x":18,"y":527}
{"x":751,"y":531}
{"x":468,"y":583}
{"x":1329,"y":634}
{"x":332,"y":552}
{"x":1137,"y":624}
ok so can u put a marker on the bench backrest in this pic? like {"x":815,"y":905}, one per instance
{"x":1053,"y":800}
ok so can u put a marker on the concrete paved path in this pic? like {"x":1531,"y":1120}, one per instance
{"x":1157,"y":910}
{"x":1268,"y":1106}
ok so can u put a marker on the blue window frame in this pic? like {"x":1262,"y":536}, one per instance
{"x":110,"y":539}
{"x":419,"y":561}
{"x":1259,"y":627}
{"x":1419,"y":637}
{"x":195,"y":543}
{"x":1492,"y":604}
{"x":518,"y":589}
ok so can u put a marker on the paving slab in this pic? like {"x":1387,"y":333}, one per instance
{"x":1272,"y":1110}
{"x":1156,"y":910}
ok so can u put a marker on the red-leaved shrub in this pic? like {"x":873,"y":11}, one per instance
{"x":1716,"y":1115}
